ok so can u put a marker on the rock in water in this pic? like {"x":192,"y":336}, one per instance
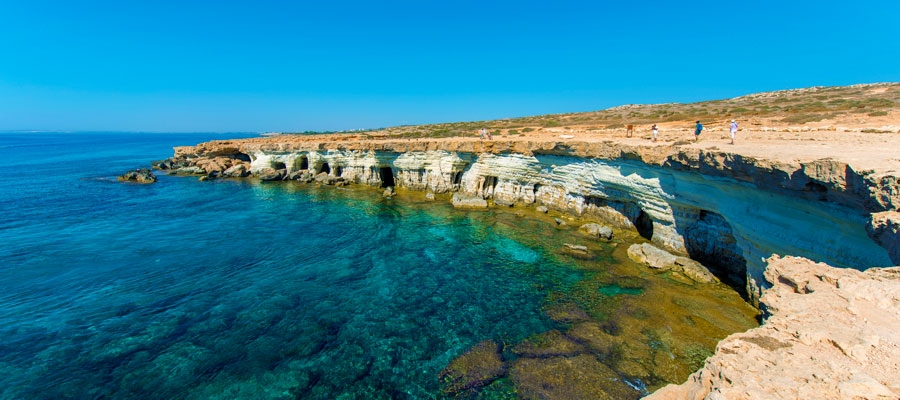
{"x":142,"y":175}
{"x":479,"y":366}
{"x":597,"y":231}
{"x":462,"y":201}
{"x":271,"y":174}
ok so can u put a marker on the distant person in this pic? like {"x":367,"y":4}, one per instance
{"x":629,"y":130}
{"x":734,"y":128}
{"x":655,"y":132}
{"x":489,"y":135}
{"x":697,"y":131}
{"x":483,"y":131}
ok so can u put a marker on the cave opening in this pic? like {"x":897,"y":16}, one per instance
{"x":325,"y":168}
{"x":387,"y":176}
{"x":301,"y":163}
{"x":338,"y":170}
{"x":710,"y":241}
{"x":242,"y":156}
{"x":644,"y":225}
{"x":278,"y":165}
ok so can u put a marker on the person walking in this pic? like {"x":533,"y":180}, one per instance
{"x":483,"y":131}
{"x":655,"y":132}
{"x":734,"y":128}
{"x":697,"y":131}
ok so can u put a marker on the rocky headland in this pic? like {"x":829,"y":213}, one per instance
{"x":825,"y":194}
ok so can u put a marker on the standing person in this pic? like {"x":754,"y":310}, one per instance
{"x":655,"y":132}
{"x":733,"y":130}
{"x":629,"y":130}
{"x":482,"y":133}
{"x":489,"y":135}
{"x":697,"y":131}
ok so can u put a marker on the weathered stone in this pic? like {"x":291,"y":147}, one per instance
{"x":142,"y":175}
{"x":550,"y":343}
{"x":597,"y":231}
{"x":884,"y":228}
{"x":429,"y":196}
{"x":651,"y":256}
{"x":695,"y":270}
{"x":578,"y":251}
{"x":477,"y":367}
{"x":566,"y":313}
{"x":578,"y":377}
{"x":542,"y":209}
{"x":236,"y":171}
{"x":460,"y":200}
{"x":270,"y":174}
{"x":831,"y":334}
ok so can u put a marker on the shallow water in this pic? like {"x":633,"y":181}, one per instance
{"x":236,"y":289}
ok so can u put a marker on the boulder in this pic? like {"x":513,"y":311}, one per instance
{"x":429,"y":196}
{"x":577,"y":251}
{"x":142,"y":175}
{"x":236,"y":171}
{"x":597,"y":231}
{"x":695,"y":270}
{"x":542,"y":209}
{"x":270,"y":174}
{"x":388,"y":192}
{"x":477,"y":367}
{"x":651,"y":256}
{"x":460,"y":200}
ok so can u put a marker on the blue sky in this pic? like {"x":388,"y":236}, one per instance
{"x":259,"y":66}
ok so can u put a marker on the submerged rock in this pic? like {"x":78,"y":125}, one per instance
{"x":142,"y":175}
{"x":595,"y":230}
{"x":578,"y":377}
{"x":578,"y":251}
{"x":477,"y":367}
{"x":460,"y":200}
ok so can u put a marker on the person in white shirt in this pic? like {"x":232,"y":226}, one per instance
{"x":734,"y":128}
{"x":655,"y":132}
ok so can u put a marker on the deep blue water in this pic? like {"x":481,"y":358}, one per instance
{"x":234,"y":289}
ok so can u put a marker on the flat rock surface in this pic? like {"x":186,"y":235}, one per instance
{"x":832,"y":334}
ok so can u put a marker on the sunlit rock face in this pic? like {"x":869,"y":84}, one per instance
{"x":726,"y":210}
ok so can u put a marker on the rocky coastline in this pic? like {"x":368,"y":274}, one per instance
{"x":729,"y":210}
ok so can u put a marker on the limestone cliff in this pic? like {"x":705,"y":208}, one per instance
{"x":727,"y":210}
{"x":831,"y":334}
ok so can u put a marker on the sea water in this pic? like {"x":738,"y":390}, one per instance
{"x":241,"y":289}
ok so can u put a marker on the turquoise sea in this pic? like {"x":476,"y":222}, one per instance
{"x":232,"y":289}
{"x":236,"y":289}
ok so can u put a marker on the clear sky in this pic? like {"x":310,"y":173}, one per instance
{"x":332,"y":65}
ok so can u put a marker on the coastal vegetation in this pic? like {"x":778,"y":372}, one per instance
{"x":822,"y":105}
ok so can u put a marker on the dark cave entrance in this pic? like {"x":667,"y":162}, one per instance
{"x":644,"y":225}
{"x":301,"y":163}
{"x":387,"y":177}
{"x":278,"y":165}
{"x":710,"y":241}
{"x":325,"y":168}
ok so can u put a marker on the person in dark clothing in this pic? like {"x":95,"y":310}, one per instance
{"x":697,"y":131}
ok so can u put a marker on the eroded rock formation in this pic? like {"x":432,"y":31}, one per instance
{"x":728,"y":211}
{"x":831,"y":334}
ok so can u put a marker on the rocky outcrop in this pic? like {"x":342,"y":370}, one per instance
{"x":142,"y":175}
{"x":478,"y":367}
{"x":659,"y":259}
{"x":726,"y":210}
{"x":830,"y":334}
{"x":597,"y":231}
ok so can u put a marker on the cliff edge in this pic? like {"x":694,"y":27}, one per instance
{"x":831,"y":334}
